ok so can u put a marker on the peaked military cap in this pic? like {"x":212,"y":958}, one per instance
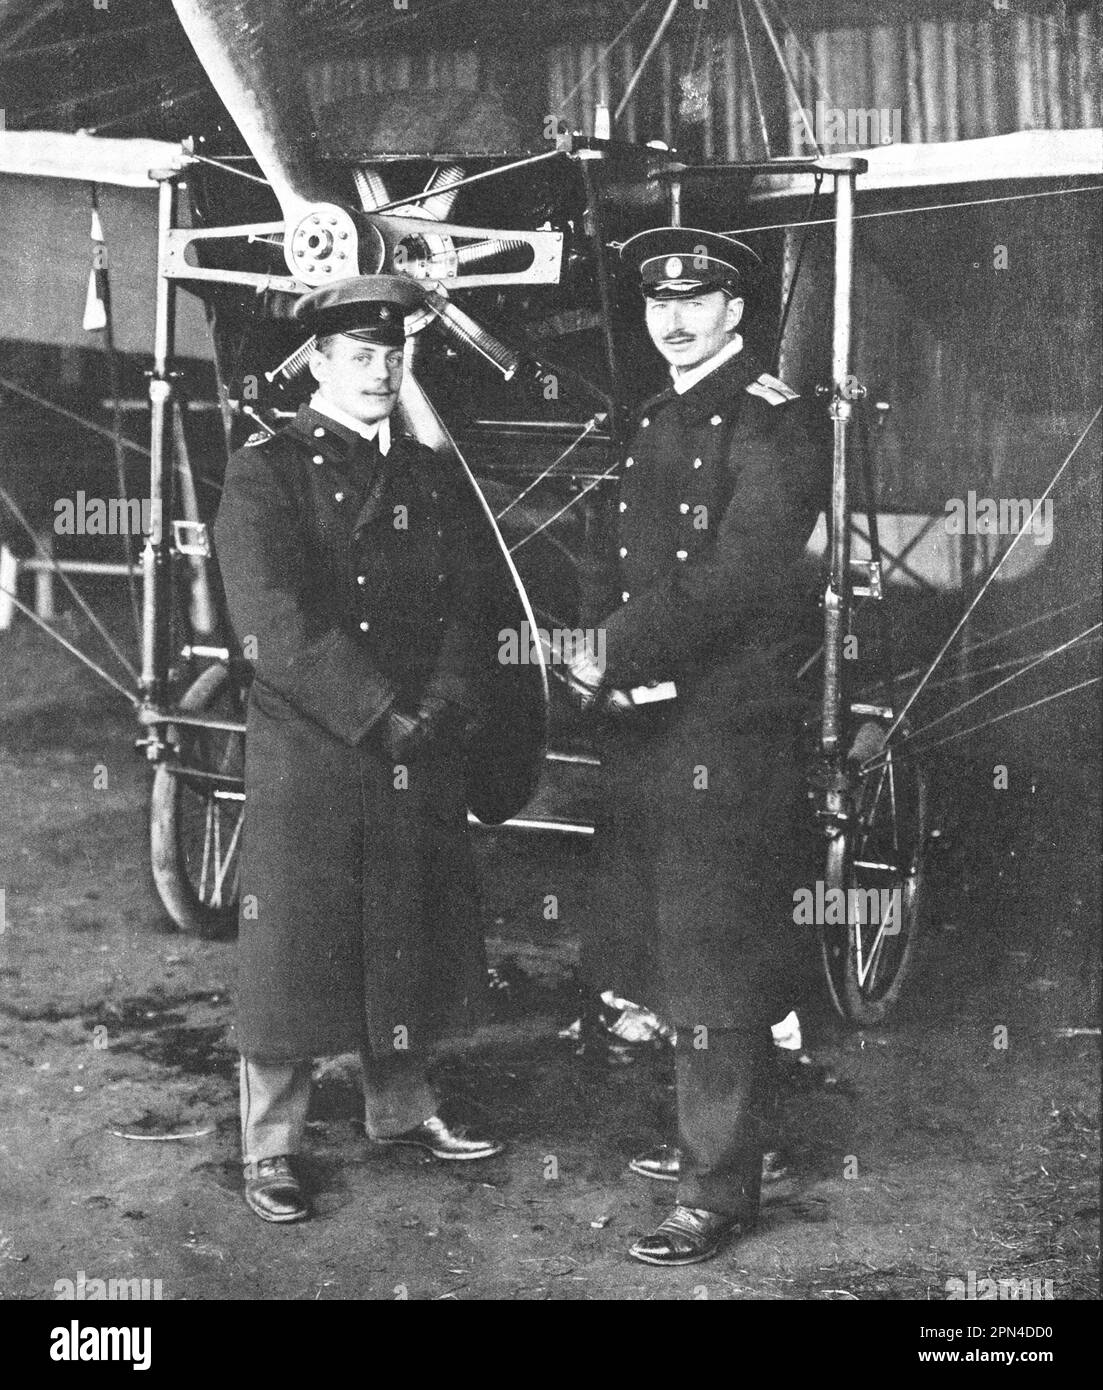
{"x":679,"y":262}
{"x":371,"y":308}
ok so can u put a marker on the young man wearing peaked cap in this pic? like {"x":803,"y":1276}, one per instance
{"x":349,"y":573}
{"x":700,"y":843}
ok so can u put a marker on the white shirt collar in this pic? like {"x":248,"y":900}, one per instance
{"x":382,"y":428}
{"x":684,"y":380}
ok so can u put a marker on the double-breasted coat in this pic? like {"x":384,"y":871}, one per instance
{"x":702,"y":836}
{"x":352,"y":583}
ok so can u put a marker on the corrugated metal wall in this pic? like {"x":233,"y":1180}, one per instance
{"x":390,"y":70}
{"x":715,"y":88}
{"x":947,"y":79}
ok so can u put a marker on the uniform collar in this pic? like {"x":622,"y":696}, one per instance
{"x":320,"y":406}
{"x":326,"y":440}
{"x":684,"y":381}
{"x":715,"y":392}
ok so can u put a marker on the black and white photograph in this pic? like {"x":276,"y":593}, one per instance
{"x":550,"y":664}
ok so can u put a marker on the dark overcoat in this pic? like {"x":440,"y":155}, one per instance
{"x":352,"y":584}
{"x":703,"y":835}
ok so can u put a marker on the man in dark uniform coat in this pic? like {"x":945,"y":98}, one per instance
{"x":351,"y":583}
{"x":701,"y":846}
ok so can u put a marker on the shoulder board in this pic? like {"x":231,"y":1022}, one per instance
{"x":261,"y":437}
{"x":411,"y":441}
{"x":771,"y":389}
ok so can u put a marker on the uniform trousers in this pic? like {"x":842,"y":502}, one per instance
{"x":275,"y":1097}
{"x":725,"y":1083}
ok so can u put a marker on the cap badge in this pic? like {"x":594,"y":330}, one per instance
{"x":673,"y":268}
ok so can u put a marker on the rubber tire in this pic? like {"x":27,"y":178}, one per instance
{"x":837,"y":943}
{"x":166,"y":854}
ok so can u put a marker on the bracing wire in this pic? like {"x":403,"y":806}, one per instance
{"x":588,"y":428}
{"x":12,"y":506}
{"x":791,"y":292}
{"x":89,"y":425}
{"x":603,"y":54}
{"x":996,"y":667}
{"x":609,"y":473}
{"x":648,"y":54}
{"x":754,"y":83}
{"x":1006,"y":632}
{"x":780,"y":56}
{"x":983,"y":694}
{"x":990,"y":577}
{"x":904,"y":750}
{"x":931,"y":207}
{"x":69,"y":647}
{"x":808,"y":63}
{"x":230,"y":169}
{"x":471,"y":178}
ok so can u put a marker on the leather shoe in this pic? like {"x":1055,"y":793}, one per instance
{"x":436,"y":1138}
{"x":273,"y":1191}
{"x":687,"y":1236}
{"x":664,"y":1164}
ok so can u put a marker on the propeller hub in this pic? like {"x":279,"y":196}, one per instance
{"x":325,"y":245}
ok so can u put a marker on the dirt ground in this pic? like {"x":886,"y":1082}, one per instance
{"x":920,"y":1153}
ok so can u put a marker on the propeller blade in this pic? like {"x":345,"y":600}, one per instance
{"x":247,"y":49}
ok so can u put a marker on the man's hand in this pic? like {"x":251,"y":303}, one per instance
{"x":618,"y":703}
{"x":398,"y":734}
{"x":626,"y":704}
{"x":584,"y":677}
{"x":407,"y":734}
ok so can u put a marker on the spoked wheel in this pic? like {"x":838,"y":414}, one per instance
{"x":878,"y":861}
{"x":197,"y":810}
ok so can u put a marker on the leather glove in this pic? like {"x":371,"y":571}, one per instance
{"x":444,"y":718}
{"x":408,"y":734}
{"x":399,"y":729}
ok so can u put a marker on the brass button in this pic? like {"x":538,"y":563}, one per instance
{"x":683,"y":507}
{"x":624,"y":506}
{"x":441,"y":578}
{"x":682,"y":554}
{"x":319,"y":433}
{"x":338,"y":496}
{"x":628,"y":462}
{"x":645,"y":422}
{"x":697,"y":463}
{"x":624,"y":596}
{"x":623,"y":551}
{"x":717,"y":420}
{"x":365,"y":625}
{"x":361,"y":579}
{"x":318,"y":458}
